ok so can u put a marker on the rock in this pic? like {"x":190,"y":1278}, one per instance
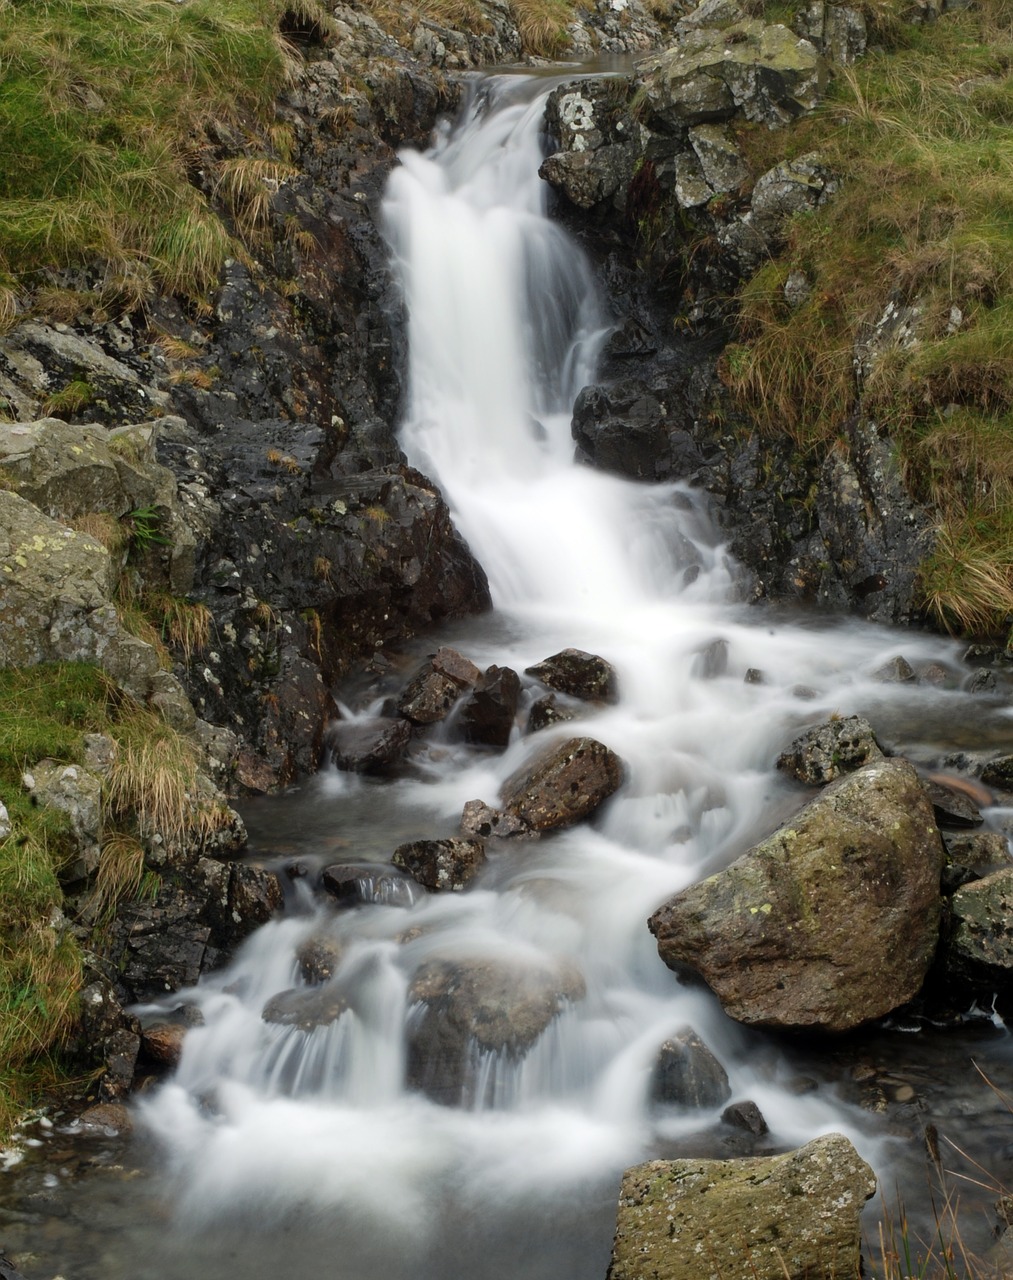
{"x":765,"y":73}
{"x":563,"y":785}
{"x":830,"y":922}
{"x":548,"y":711}
{"x":367,"y":746}
{"x":837,"y":30}
{"x":745,"y":1115}
{"x":5,"y":821}
{"x":318,"y":1007}
{"x":687,"y":1074}
{"x":105,"y":1118}
{"x":830,"y":750}
{"x":478,"y":819}
{"x":488,"y":716}
{"x":499,"y":1007}
{"x":979,"y":950}
{"x":712,"y":660}
{"x":787,"y":1217}
{"x":978,"y":850}
{"x":163,"y":1042}
{"x":628,"y":430}
{"x":429,"y":697}
{"x":75,"y":791}
{"x":951,"y":807}
{"x":318,"y":958}
{"x":109,"y":1035}
{"x":581,"y":675}
{"x":897,"y":671}
{"x":448,"y":662}
{"x":721,"y":161}
{"x":354,"y":883}
{"x":441,"y":864}
{"x":998,"y":773}
{"x":982,"y":681}
{"x":587,"y":178}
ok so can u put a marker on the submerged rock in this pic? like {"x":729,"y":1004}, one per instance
{"x":563,"y":785}
{"x":831,"y":921}
{"x":352,"y":883}
{"x":367,"y":746}
{"x":317,"y":1007}
{"x":548,"y":711}
{"x":787,"y":1217}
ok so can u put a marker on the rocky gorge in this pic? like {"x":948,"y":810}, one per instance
{"x":240,"y":460}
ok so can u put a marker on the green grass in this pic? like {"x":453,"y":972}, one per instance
{"x":920,"y":134}
{"x":104,"y":106}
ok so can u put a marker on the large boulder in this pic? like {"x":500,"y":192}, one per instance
{"x":787,"y":1217}
{"x":765,"y":73}
{"x":563,"y":785}
{"x":828,"y":923}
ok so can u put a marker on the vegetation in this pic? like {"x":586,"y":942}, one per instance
{"x":152,"y":787}
{"x":105,"y":108}
{"x":919,"y":133}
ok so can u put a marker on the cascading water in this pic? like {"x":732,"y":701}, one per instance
{"x":293,"y":1141}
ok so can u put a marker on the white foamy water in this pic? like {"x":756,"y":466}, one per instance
{"x":267,"y":1124}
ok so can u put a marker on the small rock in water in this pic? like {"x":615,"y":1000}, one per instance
{"x":897,"y":671}
{"x":448,"y":662}
{"x":305,"y":1009}
{"x":163,"y":1042}
{"x":999,"y":773}
{"x":952,"y":806}
{"x":428,"y":698}
{"x":563,"y":785}
{"x":368,"y":746}
{"x":982,"y":681}
{"x":581,"y":675}
{"x":318,"y":958}
{"x":547,"y":711}
{"x":687,"y":1074}
{"x":712,"y":661}
{"x":368,"y":882}
{"x":441,"y":864}
{"x":488,"y":716}
{"x":103,"y":1118}
{"x":745,"y":1115}
{"x":478,"y":819}
{"x":754,"y":676}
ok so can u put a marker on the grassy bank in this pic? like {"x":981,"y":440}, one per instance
{"x":919,"y":132}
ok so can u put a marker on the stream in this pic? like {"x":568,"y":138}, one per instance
{"x":279,"y":1151}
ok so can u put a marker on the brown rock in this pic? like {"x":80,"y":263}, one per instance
{"x":581,"y":675}
{"x":441,"y":864}
{"x":563,"y":785}
{"x":163,"y":1042}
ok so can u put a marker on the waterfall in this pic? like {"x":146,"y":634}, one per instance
{"x":270,"y":1122}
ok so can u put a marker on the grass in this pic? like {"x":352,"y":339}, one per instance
{"x":104,"y":106}
{"x":919,"y":133}
{"x":153,"y":788}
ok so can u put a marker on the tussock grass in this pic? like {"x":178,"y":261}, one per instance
{"x":186,"y":624}
{"x":542,"y":25}
{"x":119,"y":875}
{"x":919,"y":134}
{"x":103,"y":109}
{"x":247,"y":183}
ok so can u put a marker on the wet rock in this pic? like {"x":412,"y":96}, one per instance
{"x":105,"y":1118}
{"x":982,"y":681}
{"x":563,"y":785}
{"x":548,"y":711}
{"x":977,"y":851}
{"x":712,"y":660}
{"x":495,"y":1006}
{"x":448,"y":662}
{"x":368,"y":746}
{"x":787,"y":1217}
{"x":628,"y":430}
{"x":479,"y":819}
{"x":599,"y":141}
{"x":488,"y":716}
{"x":318,"y":958}
{"x":745,"y":1115}
{"x":579,"y":674}
{"x":775,"y":933}
{"x":952,"y":808}
{"x":766,"y":73}
{"x":830,"y":750}
{"x":687,"y":1074}
{"x":352,"y":883}
{"x":318,"y":1007}
{"x":998,"y":773}
{"x":109,"y":1035}
{"x":441,"y":864}
{"x":429,"y":697}
{"x":897,"y":671}
{"x":163,"y":1042}
{"x":979,"y":951}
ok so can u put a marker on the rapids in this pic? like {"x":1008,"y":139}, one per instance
{"x":282,"y":1151}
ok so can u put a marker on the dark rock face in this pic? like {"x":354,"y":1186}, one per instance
{"x":441,"y":864}
{"x":548,"y":711}
{"x":687,"y":1074}
{"x":830,"y":922}
{"x":563,"y":785}
{"x":626,"y":429}
{"x":788,"y":1217}
{"x":496,"y":1007}
{"x":581,"y":675}
{"x":428,"y":698}
{"x":370,"y":746}
{"x":488,"y":716}
{"x":829,"y":750}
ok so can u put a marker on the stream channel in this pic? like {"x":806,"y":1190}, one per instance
{"x":275,"y":1151}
